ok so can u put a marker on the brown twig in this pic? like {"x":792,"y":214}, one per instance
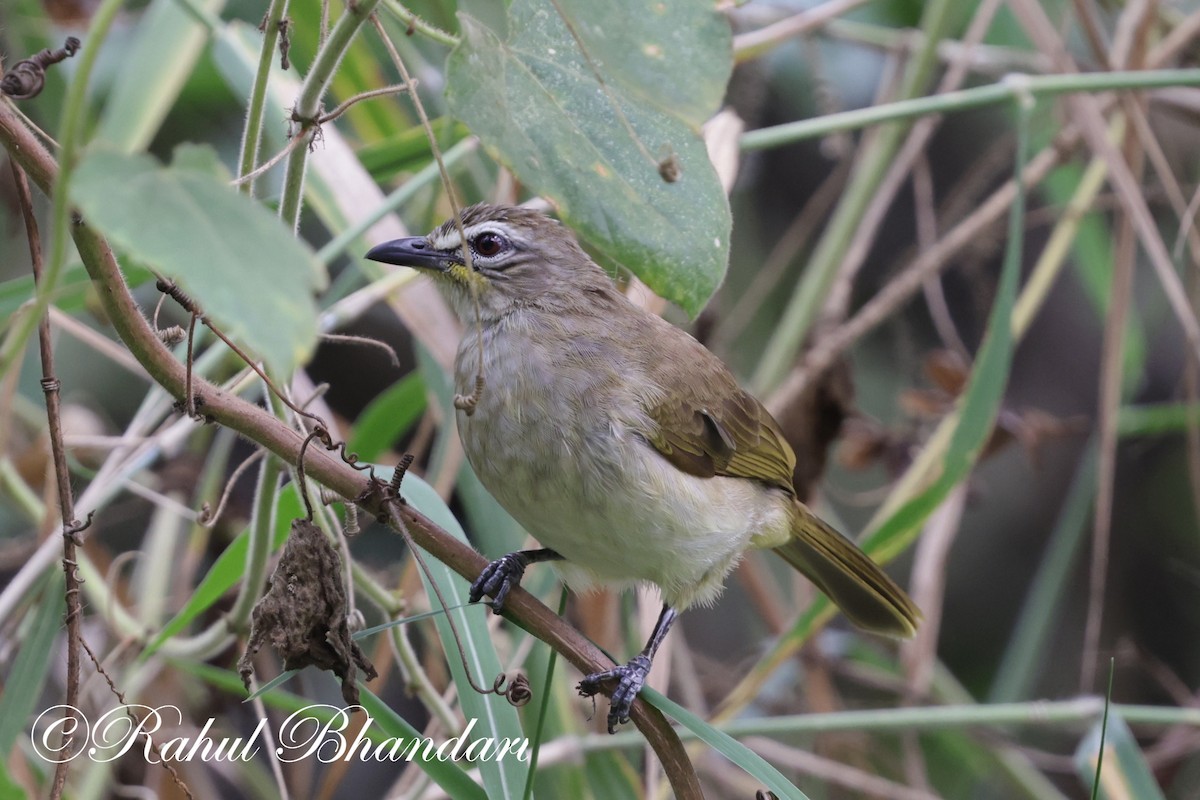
{"x":66,"y":500}
{"x":363,"y":341}
{"x":261,"y":427}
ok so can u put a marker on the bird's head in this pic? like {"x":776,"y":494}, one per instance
{"x":519,"y":257}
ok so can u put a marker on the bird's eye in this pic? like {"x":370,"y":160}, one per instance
{"x":489,"y":244}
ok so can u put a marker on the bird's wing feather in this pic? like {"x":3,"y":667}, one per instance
{"x":706,"y":425}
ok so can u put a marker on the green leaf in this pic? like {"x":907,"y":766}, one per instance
{"x":23,"y":687}
{"x":9,"y":789}
{"x":970,"y":426}
{"x":745,"y":758}
{"x":583,"y":109}
{"x":492,"y":714}
{"x":246,"y":270}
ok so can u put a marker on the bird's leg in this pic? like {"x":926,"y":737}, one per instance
{"x":500,"y":576}
{"x":629,"y":677}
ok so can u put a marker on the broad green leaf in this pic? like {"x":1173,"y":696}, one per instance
{"x":9,"y":789}
{"x":584,"y":107}
{"x":248,"y":273}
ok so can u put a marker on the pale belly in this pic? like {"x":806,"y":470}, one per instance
{"x":619,"y":513}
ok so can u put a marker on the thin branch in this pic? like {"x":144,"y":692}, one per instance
{"x":249,"y":177}
{"x":358,"y":98}
{"x":364,"y":341}
{"x":1002,"y":91}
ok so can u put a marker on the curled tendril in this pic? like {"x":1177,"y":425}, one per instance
{"x":351,"y":528}
{"x":517,"y":693}
{"x":172,"y":335}
{"x":28,"y":76}
{"x":350,"y":459}
{"x":323,"y":436}
{"x":467,"y":402}
{"x":75,"y":527}
{"x":171,"y":289}
{"x":398,"y":474}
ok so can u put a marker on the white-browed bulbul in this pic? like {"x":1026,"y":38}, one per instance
{"x":619,"y":442}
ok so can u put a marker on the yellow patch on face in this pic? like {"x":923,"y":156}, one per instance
{"x":460,"y":274}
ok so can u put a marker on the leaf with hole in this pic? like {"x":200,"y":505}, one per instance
{"x":585,"y":102}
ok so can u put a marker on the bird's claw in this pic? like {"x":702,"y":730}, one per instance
{"x":497,"y":580}
{"x":629,"y":677}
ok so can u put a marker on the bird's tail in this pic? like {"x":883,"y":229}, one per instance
{"x":863,"y":591}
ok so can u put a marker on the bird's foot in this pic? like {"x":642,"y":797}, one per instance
{"x":629,"y":677}
{"x":498,"y":578}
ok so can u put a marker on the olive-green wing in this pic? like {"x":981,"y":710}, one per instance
{"x":713,"y":427}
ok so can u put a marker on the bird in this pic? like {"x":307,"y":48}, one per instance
{"x":625,"y":447}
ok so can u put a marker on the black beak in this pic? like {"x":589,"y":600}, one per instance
{"x":414,"y":251}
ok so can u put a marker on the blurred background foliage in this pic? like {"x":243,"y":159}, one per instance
{"x":1005,"y":570}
